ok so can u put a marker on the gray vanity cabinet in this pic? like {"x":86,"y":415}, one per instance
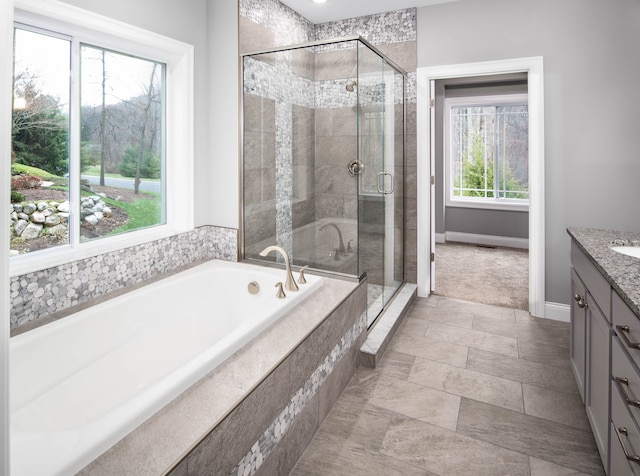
{"x":598,"y":375}
{"x":591,"y":344}
{"x":578,"y":342}
{"x":625,"y":392}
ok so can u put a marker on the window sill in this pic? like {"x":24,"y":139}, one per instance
{"x":490,"y":205}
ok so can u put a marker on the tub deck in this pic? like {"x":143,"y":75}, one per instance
{"x":157,"y":445}
{"x":126,"y":382}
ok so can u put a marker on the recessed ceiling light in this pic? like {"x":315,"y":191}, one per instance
{"x":319,"y":1}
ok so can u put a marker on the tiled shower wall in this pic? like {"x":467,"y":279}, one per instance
{"x":268,"y":24}
{"x":40,"y":294}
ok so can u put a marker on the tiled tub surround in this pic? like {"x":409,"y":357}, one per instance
{"x":261,"y":406}
{"x":622,"y":272}
{"x":50,"y":292}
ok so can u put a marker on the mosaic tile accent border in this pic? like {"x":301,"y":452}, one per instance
{"x":262,"y":448}
{"x":381,"y":28}
{"x":41,"y":293}
{"x":289,"y":27}
{"x":280,"y":84}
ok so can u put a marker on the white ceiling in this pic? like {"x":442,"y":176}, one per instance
{"x":334,"y":10}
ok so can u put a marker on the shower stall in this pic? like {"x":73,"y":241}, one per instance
{"x":323,"y":161}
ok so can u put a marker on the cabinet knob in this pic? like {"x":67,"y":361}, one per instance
{"x":577,"y":297}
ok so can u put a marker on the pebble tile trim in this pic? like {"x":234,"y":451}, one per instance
{"x":290,"y":27}
{"x":381,"y":28}
{"x":262,"y":448}
{"x":41,"y":293}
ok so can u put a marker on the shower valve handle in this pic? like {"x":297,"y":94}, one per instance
{"x":355,"y":168}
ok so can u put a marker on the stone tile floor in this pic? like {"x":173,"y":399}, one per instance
{"x":463,"y":389}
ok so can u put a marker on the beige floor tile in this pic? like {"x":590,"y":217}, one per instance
{"x":544,"y":353}
{"x":555,"y":406}
{"x":543,"y":439}
{"x":413,"y":327}
{"x":463,"y":388}
{"x":468,"y":383}
{"x":344,"y":458}
{"x":473,"y":338}
{"x":548,"y":376}
{"x":444,"y":316}
{"x":396,"y":364}
{"x":446,"y":452}
{"x":501,"y":313}
{"x":360,"y":423}
{"x":544,"y":468}
{"x":409,"y":399}
{"x":533,"y":330}
{"x":437,"y":350}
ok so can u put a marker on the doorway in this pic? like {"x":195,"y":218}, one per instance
{"x":426,"y":168}
{"x":482,"y":189}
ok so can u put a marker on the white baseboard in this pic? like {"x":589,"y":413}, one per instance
{"x":557,"y":312}
{"x":441,"y":238}
{"x":488,"y":240}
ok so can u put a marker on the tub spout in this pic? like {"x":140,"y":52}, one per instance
{"x":341,"y":247}
{"x":289,"y":284}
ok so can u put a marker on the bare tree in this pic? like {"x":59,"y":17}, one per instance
{"x":39,"y":111}
{"x":103,"y":118}
{"x":148,"y":100}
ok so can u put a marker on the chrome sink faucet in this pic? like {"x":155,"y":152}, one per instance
{"x":289,"y":284}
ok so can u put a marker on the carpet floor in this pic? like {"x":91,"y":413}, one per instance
{"x":496,"y":276}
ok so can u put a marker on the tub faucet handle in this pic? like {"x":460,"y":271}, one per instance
{"x":280,"y":292}
{"x":301,"y":278}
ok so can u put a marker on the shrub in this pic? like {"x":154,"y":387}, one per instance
{"x":16,"y":197}
{"x":24,"y":182}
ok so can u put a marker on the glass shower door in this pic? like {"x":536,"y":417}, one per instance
{"x":380,"y":153}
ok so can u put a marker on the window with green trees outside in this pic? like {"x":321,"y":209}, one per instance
{"x":488,"y":153}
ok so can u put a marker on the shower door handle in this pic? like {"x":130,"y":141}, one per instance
{"x":382,"y":188}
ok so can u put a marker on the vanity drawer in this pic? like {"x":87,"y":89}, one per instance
{"x":598,"y":287}
{"x":625,"y":440}
{"x":627,"y":326}
{"x":625,"y":379}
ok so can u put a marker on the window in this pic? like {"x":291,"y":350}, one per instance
{"x":488,"y":152}
{"x":102,"y":136}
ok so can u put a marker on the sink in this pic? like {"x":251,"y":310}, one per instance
{"x":628,"y":250}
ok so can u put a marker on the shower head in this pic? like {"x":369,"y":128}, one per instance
{"x":352,"y":85}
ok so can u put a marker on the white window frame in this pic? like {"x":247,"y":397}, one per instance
{"x":101,"y":31}
{"x":472,"y":202}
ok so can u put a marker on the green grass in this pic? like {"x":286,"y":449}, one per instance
{"x":142,"y":213}
{"x":28,"y":170}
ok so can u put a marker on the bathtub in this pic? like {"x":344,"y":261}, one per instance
{"x":81,"y":383}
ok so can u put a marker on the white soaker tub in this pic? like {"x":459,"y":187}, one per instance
{"x":81,"y":383}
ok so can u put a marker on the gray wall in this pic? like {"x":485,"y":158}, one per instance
{"x":591,"y":80}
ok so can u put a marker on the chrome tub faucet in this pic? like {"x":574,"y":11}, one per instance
{"x":341,"y":248}
{"x":289,"y":284}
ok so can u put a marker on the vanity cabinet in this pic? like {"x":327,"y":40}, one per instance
{"x":625,"y":391}
{"x":578,"y":342}
{"x":605,"y":343}
{"x":597,"y":388}
{"x":590,"y":345}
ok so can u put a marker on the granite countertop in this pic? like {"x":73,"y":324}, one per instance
{"x":621,"y":271}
